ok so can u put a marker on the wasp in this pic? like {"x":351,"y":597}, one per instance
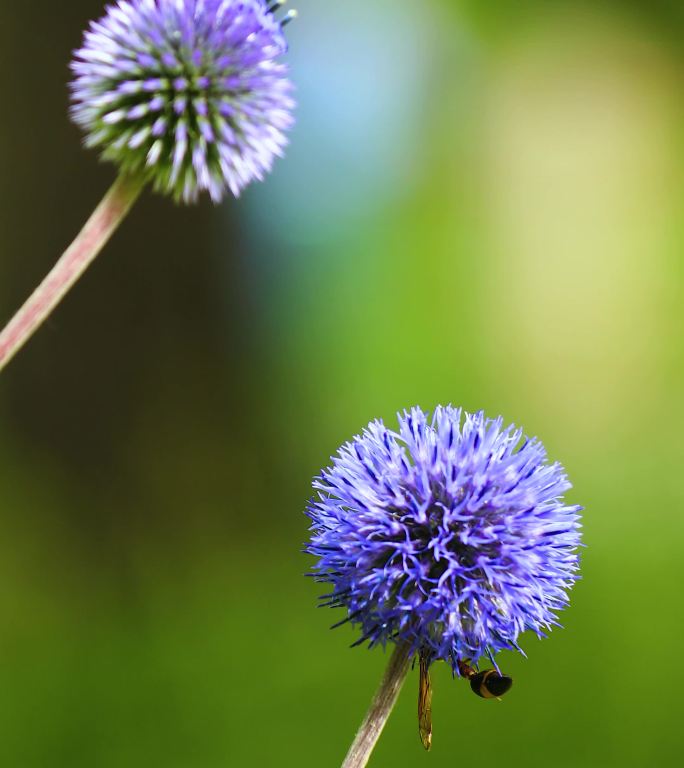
{"x":488,"y":684}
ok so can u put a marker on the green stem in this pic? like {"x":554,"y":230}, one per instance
{"x":380,"y":708}
{"x":71,"y":265}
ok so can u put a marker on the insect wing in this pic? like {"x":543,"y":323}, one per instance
{"x":425,"y":703}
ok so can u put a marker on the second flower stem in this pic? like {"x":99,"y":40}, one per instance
{"x":71,"y":265}
{"x":380,"y":708}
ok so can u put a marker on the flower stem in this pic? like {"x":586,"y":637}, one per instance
{"x":380,"y":708}
{"x":71,"y":265}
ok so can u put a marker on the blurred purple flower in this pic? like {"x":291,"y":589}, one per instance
{"x":451,"y":534}
{"x":188,"y":93}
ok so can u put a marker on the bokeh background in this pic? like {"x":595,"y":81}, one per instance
{"x":482,"y":204}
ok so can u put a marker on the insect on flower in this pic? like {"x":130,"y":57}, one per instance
{"x":449,"y":535}
{"x":488,"y":684}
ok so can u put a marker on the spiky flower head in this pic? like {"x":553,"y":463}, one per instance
{"x":450,"y":534}
{"x":189,"y":93}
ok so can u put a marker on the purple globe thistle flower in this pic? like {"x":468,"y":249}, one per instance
{"x":188,"y":93}
{"x":450,"y":535}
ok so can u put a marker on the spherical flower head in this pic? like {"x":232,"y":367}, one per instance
{"x":189,"y":93}
{"x":450,"y":534}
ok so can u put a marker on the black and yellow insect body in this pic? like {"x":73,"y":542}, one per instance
{"x":489,"y":684}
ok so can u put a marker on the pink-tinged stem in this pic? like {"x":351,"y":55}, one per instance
{"x":380,"y":708}
{"x":73,"y":262}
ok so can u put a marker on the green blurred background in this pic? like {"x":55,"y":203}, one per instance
{"x":482,"y":204}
